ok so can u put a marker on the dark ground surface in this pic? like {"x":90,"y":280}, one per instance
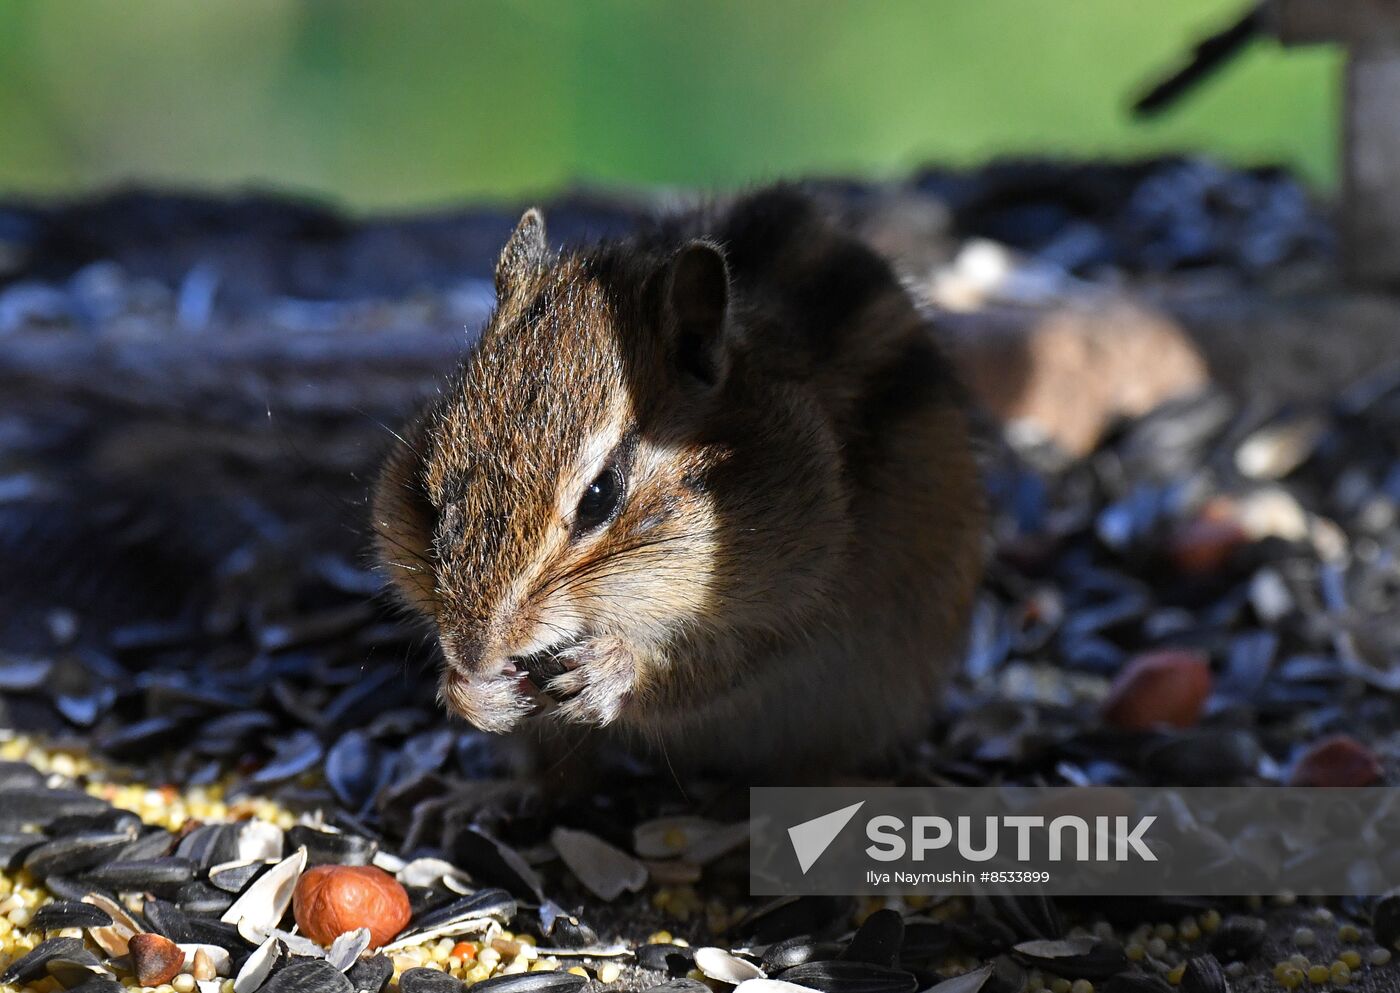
{"x":193,"y":394}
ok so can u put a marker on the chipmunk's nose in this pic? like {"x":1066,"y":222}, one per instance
{"x":468,"y":654}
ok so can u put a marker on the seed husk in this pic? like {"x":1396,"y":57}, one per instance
{"x":725,"y":966}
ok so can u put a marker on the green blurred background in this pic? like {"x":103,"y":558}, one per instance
{"x":408,"y":104}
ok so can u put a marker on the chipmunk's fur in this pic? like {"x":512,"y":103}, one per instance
{"x":797,"y":537}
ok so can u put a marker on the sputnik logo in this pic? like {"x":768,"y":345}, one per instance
{"x":811,"y":838}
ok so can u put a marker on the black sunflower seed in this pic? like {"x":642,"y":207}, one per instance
{"x":850,"y":977}
{"x":153,"y":844}
{"x":199,"y":898}
{"x":233,"y":877}
{"x":532,"y":982}
{"x":795,"y":951}
{"x":98,"y":984}
{"x":35,"y":964}
{"x":495,"y":862}
{"x":297,"y":753}
{"x":37,"y":805}
{"x":1074,"y":957}
{"x":877,"y":940}
{"x":332,"y":848}
{"x":164,"y":874}
{"x":567,"y":931}
{"x":496,"y":904}
{"x":74,"y":854}
{"x":787,"y":917}
{"x":307,"y":976}
{"x":168,"y":919}
{"x":69,"y":913}
{"x":371,"y":975}
{"x":210,"y":844}
{"x":680,"y":986}
{"x":1204,"y":975}
{"x":1136,"y":982}
{"x":1385,"y":921}
{"x":924,"y":940}
{"x":111,"y":821}
{"x":1239,"y":938}
{"x":19,"y":775}
{"x":204,"y":931}
{"x":429,"y":981}
{"x":674,"y":960}
{"x":21,"y":675}
{"x":64,"y":888}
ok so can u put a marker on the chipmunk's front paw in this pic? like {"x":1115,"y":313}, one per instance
{"x":599,"y":683}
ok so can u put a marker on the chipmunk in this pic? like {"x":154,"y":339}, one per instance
{"x":706,"y":492}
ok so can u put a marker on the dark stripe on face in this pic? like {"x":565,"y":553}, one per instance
{"x":918,"y":378}
{"x":761,"y":228}
{"x":831,"y":295}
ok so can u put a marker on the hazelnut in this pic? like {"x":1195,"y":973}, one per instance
{"x":1340,"y":760}
{"x":332,"y":899}
{"x":1162,"y":687}
{"x":156,"y":959}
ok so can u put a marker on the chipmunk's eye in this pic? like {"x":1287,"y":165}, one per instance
{"x":599,"y":501}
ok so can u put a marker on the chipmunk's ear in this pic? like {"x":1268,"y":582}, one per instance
{"x":524,"y":255}
{"x":697,"y":306}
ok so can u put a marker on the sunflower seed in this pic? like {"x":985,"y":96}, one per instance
{"x":794,"y":951}
{"x":200,"y":898}
{"x":210,"y":844}
{"x":34,"y":965}
{"x":483,"y":911}
{"x":680,"y":986}
{"x":370,"y":975}
{"x":429,"y":981}
{"x":1137,"y":982}
{"x":674,"y":960}
{"x":1239,"y":939}
{"x":308,"y":976}
{"x":232,"y":877}
{"x":850,"y":977}
{"x":69,"y":913}
{"x":167,"y":919}
{"x":532,"y":982}
{"x":1204,"y":975}
{"x":163,"y":874}
{"x":605,"y":870}
{"x":968,"y":982}
{"x":332,"y":847}
{"x":1073,"y":957}
{"x":73,"y":854}
{"x":878,"y":940}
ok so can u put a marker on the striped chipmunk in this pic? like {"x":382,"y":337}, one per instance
{"x":705,"y":494}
